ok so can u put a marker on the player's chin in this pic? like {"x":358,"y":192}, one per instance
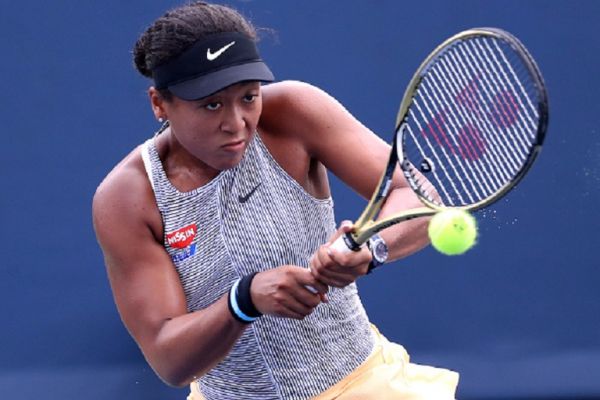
{"x":230,"y":160}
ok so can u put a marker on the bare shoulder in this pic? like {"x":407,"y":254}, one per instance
{"x":126,"y":174}
{"x":294,"y":105}
{"x":329,"y":133}
{"x":308,"y":112}
{"x":290,"y":91}
{"x":294,"y":117}
{"x":124,"y":200}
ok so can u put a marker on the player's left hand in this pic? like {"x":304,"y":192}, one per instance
{"x":337,"y":269}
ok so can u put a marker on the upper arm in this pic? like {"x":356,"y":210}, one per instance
{"x":331,"y":135}
{"x":145,"y":286}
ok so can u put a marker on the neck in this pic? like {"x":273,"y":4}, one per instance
{"x":184,"y":170}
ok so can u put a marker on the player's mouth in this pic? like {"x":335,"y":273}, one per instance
{"x":235,"y":145}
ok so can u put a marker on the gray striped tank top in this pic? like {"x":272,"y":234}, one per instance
{"x":254,"y":217}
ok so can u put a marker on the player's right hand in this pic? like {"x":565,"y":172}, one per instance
{"x":283,"y":292}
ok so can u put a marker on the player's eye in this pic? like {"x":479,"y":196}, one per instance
{"x":212,"y":106}
{"x":249,"y":98}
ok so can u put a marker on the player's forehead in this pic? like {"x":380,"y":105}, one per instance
{"x":235,"y":90}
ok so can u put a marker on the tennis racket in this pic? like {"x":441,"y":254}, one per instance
{"x":470,"y":125}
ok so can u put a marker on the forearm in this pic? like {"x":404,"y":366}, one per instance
{"x":190,"y":345}
{"x":407,"y":237}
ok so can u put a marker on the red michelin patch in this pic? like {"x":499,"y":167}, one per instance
{"x":182,"y":237}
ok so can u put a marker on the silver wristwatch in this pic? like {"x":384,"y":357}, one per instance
{"x":379,"y":252}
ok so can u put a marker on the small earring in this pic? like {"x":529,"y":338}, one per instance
{"x":161,"y":120}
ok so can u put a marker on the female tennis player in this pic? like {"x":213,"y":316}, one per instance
{"x":216,"y":230}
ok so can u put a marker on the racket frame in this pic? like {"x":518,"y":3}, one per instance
{"x":367,"y":225}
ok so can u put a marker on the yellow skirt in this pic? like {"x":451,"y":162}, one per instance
{"x":386,"y":375}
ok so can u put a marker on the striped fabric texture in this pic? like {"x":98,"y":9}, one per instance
{"x":255,"y":217}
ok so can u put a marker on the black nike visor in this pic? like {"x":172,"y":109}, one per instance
{"x":212,"y":64}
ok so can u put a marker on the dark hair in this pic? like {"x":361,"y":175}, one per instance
{"x":181,"y":27}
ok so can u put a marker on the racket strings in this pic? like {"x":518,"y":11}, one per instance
{"x":470,"y":143}
{"x":495,"y":159}
{"x":477,"y":101}
{"x":531,"y":108}
{"x":435,"y":161}
{"x":443,"y":157}
{"x":472,"y":123}
{"x":505,"y":112}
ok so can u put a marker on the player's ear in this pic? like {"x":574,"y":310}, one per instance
{"x":157,"y":102}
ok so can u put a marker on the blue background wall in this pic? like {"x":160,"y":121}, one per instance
{"x":518,"y":316}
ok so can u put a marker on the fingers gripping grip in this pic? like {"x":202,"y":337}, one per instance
{"x":343,"y":245}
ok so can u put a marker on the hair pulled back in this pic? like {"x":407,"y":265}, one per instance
{"x":182,"y":27}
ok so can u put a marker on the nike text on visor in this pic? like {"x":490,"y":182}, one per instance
{"x":212,"y":64}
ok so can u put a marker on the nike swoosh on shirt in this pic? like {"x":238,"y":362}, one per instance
{"x":213,"y":56}
{"x":245,"y":198}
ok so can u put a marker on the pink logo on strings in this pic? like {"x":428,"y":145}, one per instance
{"x":470,"y":144}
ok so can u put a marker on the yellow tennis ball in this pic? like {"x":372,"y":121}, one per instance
{"x":452,"y":232}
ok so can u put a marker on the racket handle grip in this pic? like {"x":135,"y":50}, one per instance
{"x":345,"y":244}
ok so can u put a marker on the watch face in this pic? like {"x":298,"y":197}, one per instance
{"x":380,"y":251}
